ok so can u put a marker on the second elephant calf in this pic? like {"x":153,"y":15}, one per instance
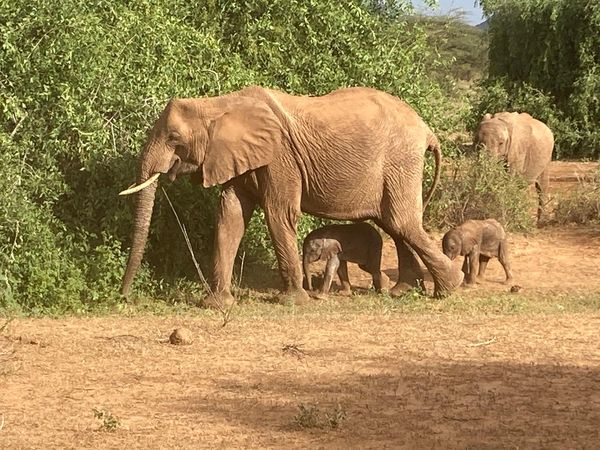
{"x":338,"y":244}
{"x":478,"y":241}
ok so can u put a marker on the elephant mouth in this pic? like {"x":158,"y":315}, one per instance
{"x":176,"y":168}
{"x":179,"y":167}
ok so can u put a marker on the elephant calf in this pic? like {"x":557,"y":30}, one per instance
{"x":478,"y":241}
{"x":337,"y":244}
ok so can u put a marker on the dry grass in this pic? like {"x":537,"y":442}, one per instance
{"x":398,"y":381}
{"x":484,"y":368}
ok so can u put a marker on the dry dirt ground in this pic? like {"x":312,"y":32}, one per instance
{"x":478,"y":380}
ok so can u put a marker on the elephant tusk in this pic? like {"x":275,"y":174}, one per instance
{"x":139,"y":187}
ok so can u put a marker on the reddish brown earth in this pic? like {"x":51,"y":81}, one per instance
{"x":417,"y":381}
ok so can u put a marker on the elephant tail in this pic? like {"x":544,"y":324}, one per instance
{"x":434,"y":146}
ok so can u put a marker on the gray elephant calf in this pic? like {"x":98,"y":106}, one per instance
{"x":337,"y":244}
{"x":478,"y":241}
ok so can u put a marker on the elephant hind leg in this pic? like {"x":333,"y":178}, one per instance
{"x":503,"y":258}
{"x":410,"y":238}
{"x":346,"y":287}
{"x":410,"y":273}
{"x":483,"y":262}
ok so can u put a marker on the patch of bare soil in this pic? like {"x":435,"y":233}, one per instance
{"x":390,"y":381}
{"x":399,"y":382}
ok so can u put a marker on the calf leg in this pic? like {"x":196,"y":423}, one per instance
{"x":503,"y":258}
{"x":483,"y":262}
{"x":471,"y":277}
{"x":332,"y":266}
{"x":342,"y":272}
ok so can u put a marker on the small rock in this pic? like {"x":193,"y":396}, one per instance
{"x":515,"y":288}
{"x":181,"y":336}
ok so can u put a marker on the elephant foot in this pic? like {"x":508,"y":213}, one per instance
{"x":318,"y":296}
{"x":385,"y":283}
{"x":345,"y":292}
{"x":445,"y":286}
{"x":297,"y":297}
{"x":219,"y":300}
{"x":508,"y":281}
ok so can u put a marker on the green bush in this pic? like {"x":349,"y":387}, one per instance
{"x":479,"y":187}
{"x":81,"y":82}
{"x":580,"y":205}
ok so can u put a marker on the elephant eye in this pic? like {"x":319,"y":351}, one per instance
{"x":173,"y":137}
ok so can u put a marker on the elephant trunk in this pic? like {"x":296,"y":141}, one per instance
{"x":142,"y":217}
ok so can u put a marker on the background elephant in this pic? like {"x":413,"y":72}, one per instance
{"x":524,"y":143}
{"x":354,"y":154}
{"x":337,"y":244}
{"x":478,"y":241}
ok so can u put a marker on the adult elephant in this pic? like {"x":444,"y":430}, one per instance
{"x":524,"y":143}
{"x":353,"y":154}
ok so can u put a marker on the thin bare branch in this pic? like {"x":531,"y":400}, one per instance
{"x":481,"y":344}
{"x":226,"y":312}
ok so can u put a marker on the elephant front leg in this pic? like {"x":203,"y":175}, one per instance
{"x":234,"y":214}
{"x":282,"y":228}
{"x":333,"y":263}
{"x":473,"y":267}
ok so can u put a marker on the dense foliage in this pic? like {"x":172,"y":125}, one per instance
{"x":81,"y":82}
{"x":545,"y":56}
{"x":582,"y":203}
{"x":479,"y":187}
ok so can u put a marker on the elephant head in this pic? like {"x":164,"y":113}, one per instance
{"x":452,"y":244}
{"x":494,"y":135}
{"x":213,"y":139}
{"x":316,"y":249}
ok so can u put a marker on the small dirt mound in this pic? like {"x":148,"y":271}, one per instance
{"x":181,"y":336}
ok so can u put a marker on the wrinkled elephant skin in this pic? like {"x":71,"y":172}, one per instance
{"x":354,"y":154}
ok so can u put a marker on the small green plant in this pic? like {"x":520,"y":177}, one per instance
{"x":109,"y":422}
{"x":335,"y":417}
{"x":581,"y":205}
{"x":479,"y":187}
{"x":310,"y":417}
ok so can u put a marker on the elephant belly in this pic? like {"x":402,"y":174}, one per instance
{"x":343,"y":205}
{"x":489,"y":251}
{"x":352,"y":191}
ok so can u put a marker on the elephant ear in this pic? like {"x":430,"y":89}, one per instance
{"x":518,"y":137}
{"x":331,"y":247}
{"x":245,"y":137}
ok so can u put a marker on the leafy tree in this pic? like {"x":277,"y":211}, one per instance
{"x":81,"y":82}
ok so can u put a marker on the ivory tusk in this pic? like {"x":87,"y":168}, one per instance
{"x":139,"y":187}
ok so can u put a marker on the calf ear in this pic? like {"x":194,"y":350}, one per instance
{"x":330,"y":247}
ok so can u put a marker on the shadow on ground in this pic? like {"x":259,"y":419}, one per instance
{"x":449,"y":405}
